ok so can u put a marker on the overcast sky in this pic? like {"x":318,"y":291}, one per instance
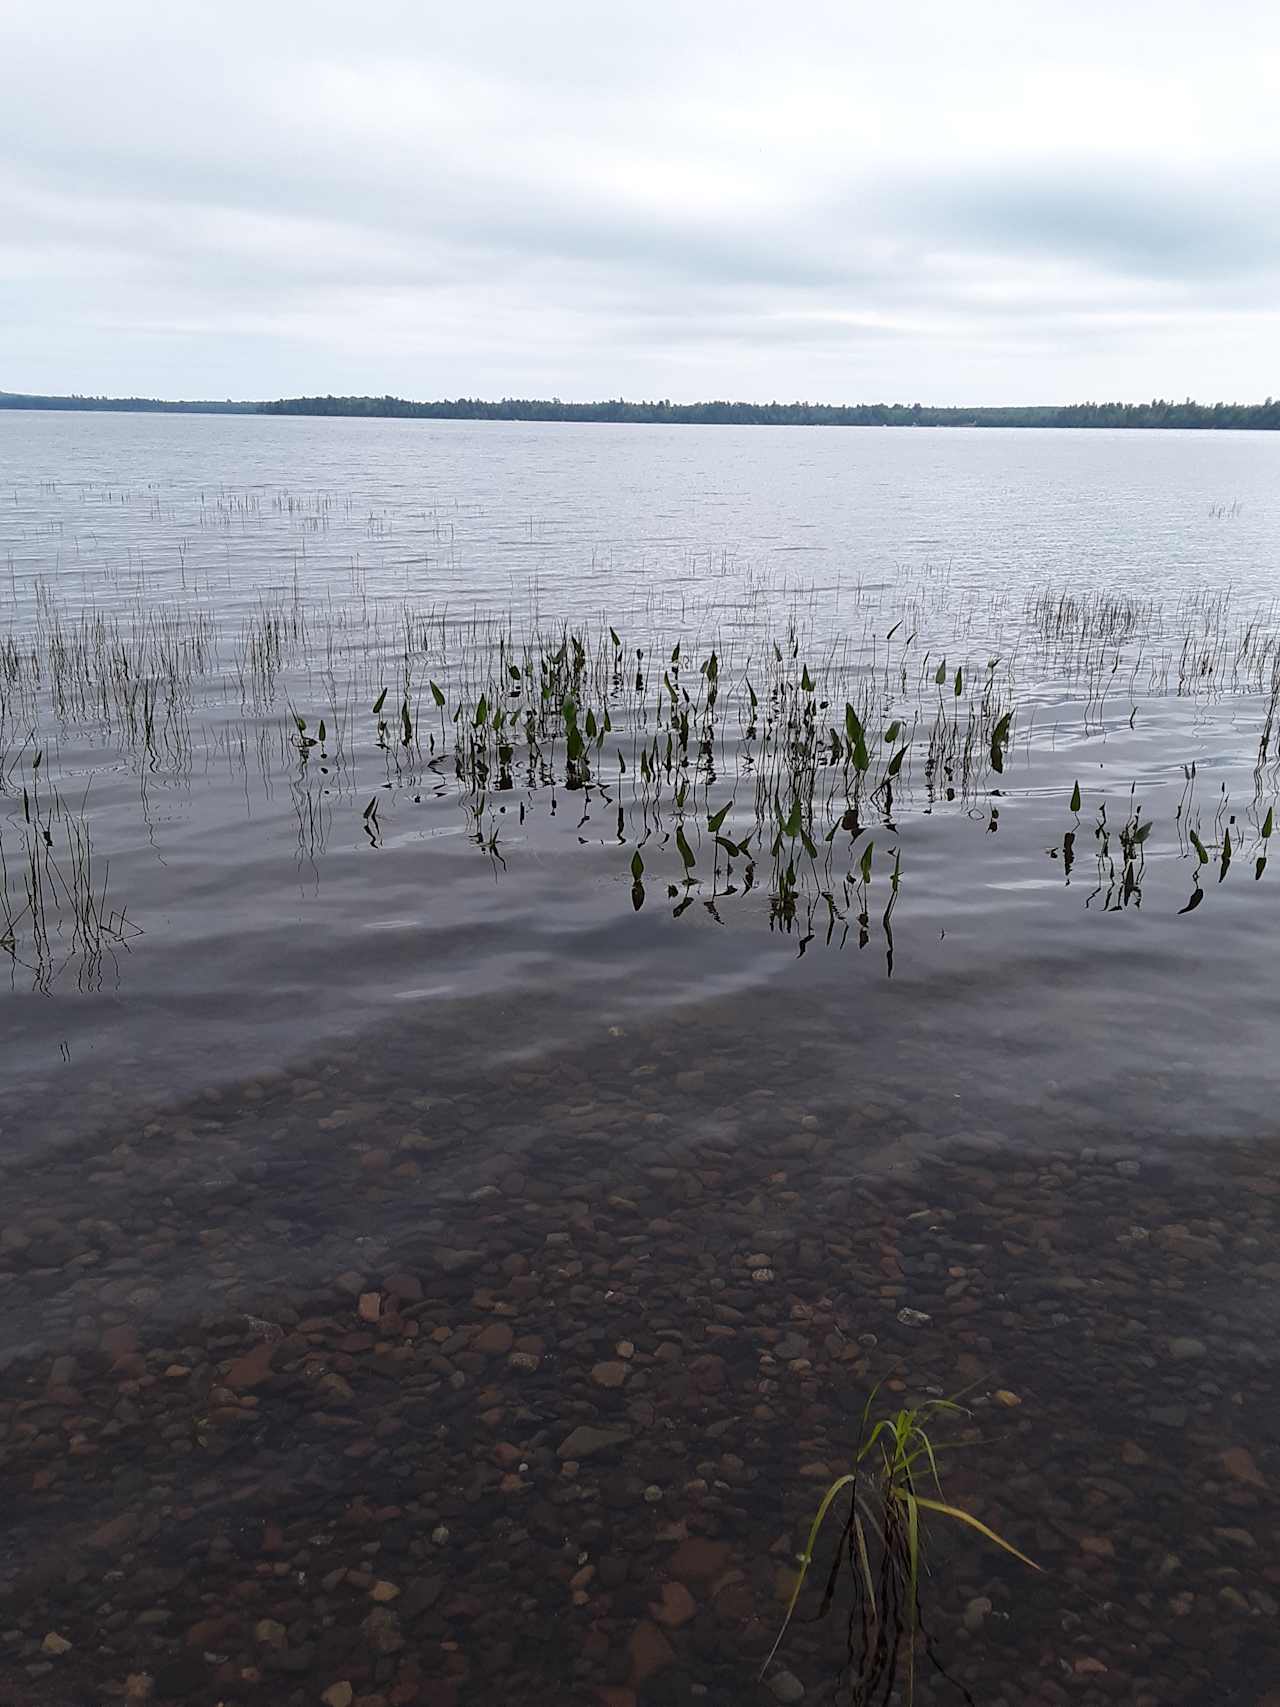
{"x":948,"y":203}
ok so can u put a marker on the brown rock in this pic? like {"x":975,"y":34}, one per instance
{"x":699,"y":1557}
{"x":676,"y":1607}
{"x":650,"y":1652}
{"x":369,"y":1307}
{"x":338,"y":1695}
{"x":114,"y":1533}
{"x":382,"y":1629}
{"x":585,"y":1441}
{"x":1238,"y":1462}
{"x":609,"y":1374}
{"x":495,"y":1340}
{"x":1097,"y":1546}
{"x":252,"y":1369}
{"x":55,"y":1644}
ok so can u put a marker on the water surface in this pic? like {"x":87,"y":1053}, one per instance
{"x":1015,"y":1074}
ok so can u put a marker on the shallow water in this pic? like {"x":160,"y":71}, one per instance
{"x":438,"y":1059}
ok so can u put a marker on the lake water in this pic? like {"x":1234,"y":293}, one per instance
{"x":514,"y":930}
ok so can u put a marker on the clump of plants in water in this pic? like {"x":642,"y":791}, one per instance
{"x":894,"y":1498}
{"x":750,"y":759}
{"x":55,"y":910}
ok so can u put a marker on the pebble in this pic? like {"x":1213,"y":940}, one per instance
{"x":976,"y":1612}
{"x":585,"y":1441}
{"x":786,"y":1686}
{"x":1184,"y":1349}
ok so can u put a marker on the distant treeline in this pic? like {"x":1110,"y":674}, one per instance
{"x":1159,"y":412}
{"x":126,"y":405}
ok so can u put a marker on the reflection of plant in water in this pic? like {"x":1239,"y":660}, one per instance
{"x":881,"y":1549}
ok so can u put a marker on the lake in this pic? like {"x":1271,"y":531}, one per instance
{"x":544,"y":965}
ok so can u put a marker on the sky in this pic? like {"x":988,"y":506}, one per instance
{"x":939,"y":203}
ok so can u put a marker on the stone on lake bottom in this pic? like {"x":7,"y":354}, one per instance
{"x":650,"y":1651}
{"x":585,"y":1441}
{"x":1238,"y":1462}
{"x":676,"y":1607}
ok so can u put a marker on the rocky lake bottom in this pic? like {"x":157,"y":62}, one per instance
{"x":378,"y":1385}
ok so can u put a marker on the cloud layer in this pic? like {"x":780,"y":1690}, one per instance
{"x":961,"y":203}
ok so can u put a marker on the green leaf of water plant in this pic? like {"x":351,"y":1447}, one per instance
{"x":1268,"y":823}
{"x":1075,"y":798}
{"x":857,"y":740}
{"x":962,"y":1516}
{"x":436,"y":695}
{"x":892,"y":732}
{"x":864,"y":864}
{"x":999,"y":736}
{"x":682,"y":844}
{"x":717,"y":818}
{"x":1202,"y":853}
{"x":940,"y":674}
{"x":959,"y":683}
{"x":895,"y":763}
{"x":1142,"y":832}
{"x":806,"y":682}
{"x":637,"y":865}
{"x":482,"y":712}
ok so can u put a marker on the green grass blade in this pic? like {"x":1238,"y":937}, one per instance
{"x":974,"y":1523}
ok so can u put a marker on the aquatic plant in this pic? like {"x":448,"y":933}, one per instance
{"x":881,"y":1547}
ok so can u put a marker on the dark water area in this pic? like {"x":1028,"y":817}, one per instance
{"x":441,"y":1265}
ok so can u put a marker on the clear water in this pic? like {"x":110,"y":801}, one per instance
{"x":1037,"y":1108}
